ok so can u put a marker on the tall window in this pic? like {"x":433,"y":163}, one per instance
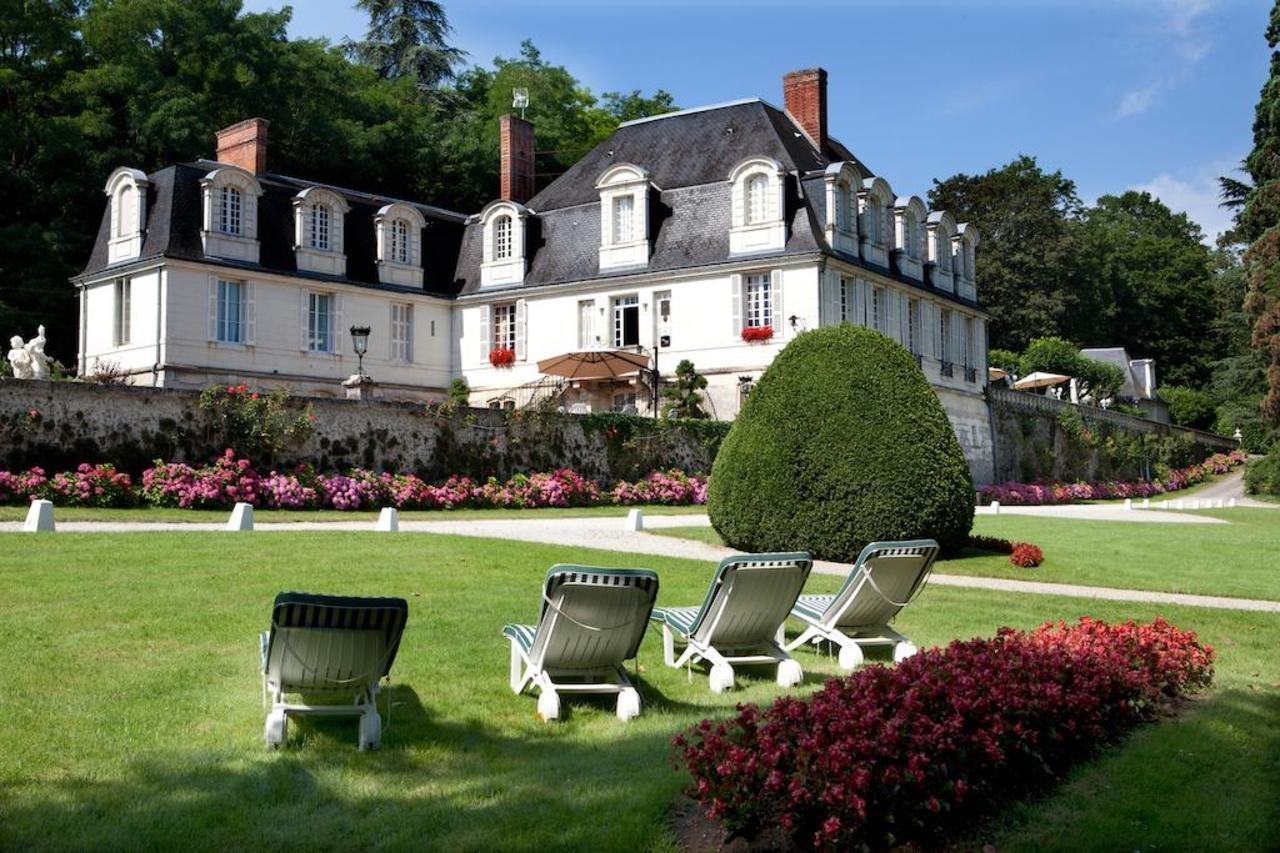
{"x":878,"y":309}
{"x":401,"y":332}
{"x":967,"y":344}
{"x":757,"y":198}
{"x":757,"y":301}
{"x":124,"y":197}
{"x":872,"y":216}
{"x":842,"y":207}
{"x":320,"y":321}
{"x":124,"y":297}
{"x":230,"y":321}
{"x":846,"y":299}
{"x":586,"y":324}
{"x":623,"y":221}
{"x":626,"y":321}
{"x":911,"y":236}
{"x":319,"y":226}
{"x":399,"y":241}
{"x":944,"y":252}
{"x":502,"y":238}
{"x":504,"y":326}
{"x":913,"y":325}
{"x":944,"y":335}
{"x":230,"y":205}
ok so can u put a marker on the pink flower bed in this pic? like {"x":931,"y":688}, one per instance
{"x":1035,"y":494}
{"x":903,"y":756}
{"x":230,"y":479}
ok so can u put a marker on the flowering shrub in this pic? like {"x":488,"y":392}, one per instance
{"x":897,"y":756}
{"x":755,"y":334}
{"x":991,"y":543}
{"x":259,"y":424}
{"x":1035,"y":494}
{"x":559,"y":488}
{"x":502,"y":356}
{"x":22,"y":487}
{"x":224,"y":483}
{"x":91,"y":485}
{"x":1025,"y":555}
{"x":662,"y":487}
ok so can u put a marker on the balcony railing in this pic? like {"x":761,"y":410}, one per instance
{"x":948,"y":369}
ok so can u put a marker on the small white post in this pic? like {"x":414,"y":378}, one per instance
{"x":1146,"y":503}
{"x":241,"y":517}
{"x":1219,"y":504}
{"x":995,"y":507}
{"x":1195,"y":504}
{"x":1231,"y":502}
{"x":1128,"y":503}
{"x":635,"y":520}
{"x":388,"y":520}
{"x":1177,"y":504}
{"x":39,"y":517}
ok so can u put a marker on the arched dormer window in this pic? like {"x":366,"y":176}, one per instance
{"x":756,"y":190}
{"x":126,"y":190}
{"x":908,"y":246}
{"x":318,"y":232}
{"x":398,"y":239}
{"x":874,"y":202}
{"x":230,"y":219}
{"x":941,"y":229}
{"x":842,"y":181}
{"x":966,"y":255}
{"x":624,"y":216}
{"x":502,"y":225}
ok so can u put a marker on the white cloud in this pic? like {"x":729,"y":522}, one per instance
{"x":1195,"y":195}
{"x":1137,"y":101}
{"x":971,"y":98}
{"x":1186,"y":38}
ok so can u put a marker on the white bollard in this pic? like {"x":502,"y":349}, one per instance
{"x":39,"y":517}
{"x":1177,"y":504}
{"x":635,"y":520}
{"x":241,"y":517}
{"x":995,"y":507}
{"x":1231,"y":502}
{"x":1128,"y":503}
{"x":1146,"y":503}
{"x":388,"y":520}
{"x":1219,"y":503}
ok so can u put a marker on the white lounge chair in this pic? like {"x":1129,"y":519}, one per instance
{"x":886,"y":578}
{"x":737,"y":623}
{"x":591,"y":622}
{"x":327,"y":645}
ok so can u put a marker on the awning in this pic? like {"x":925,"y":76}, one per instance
{"x":595,"y":364}
{"x":1040,"y":379}
{"x":995,"y":374}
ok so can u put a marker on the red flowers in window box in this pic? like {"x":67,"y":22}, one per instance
{"x":502,"y":356}
{"x":756,"y":334}
{"x":1026,"y":556}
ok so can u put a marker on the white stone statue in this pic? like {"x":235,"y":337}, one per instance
{"x":28,"y":360}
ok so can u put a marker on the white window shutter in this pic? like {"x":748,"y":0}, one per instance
{"x":250,"y":313}
{"x":860,"y":302}
{"x":522,"y":315}
{"x":779,"y":318}
{"x":302,"y":323}
{"x":213,"y":308}
{"x":336,"y":319}
{"x":735,"y":309}
{"x":893,"y":324}
{"x":904,"y":322}
{"x":485,"y":312}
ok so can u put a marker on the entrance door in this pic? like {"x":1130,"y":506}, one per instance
{"x":626,"y":321}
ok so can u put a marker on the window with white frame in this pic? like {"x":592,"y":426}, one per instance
{"x":400,"y":241}
{"x":967,"y":342}
{"x":125,"y":198}
{"x":123,"y":309}
{"x":230,"y":307}
{"x":871,"y":219}
{"x":586,"y":324}
{"x":623,"y":218}
{"x":626,"y":321}
{"x":230,"y":207}
{"x":911,"y":236}
{"x":846,"y":299}
{"x":320,"y":322}
{"x":913,"y":325}
{"x":401,"y":332}
{"x":502,"y":238}
{"x":878,"y":313}
{"x":843,"y":206}
{"x":757,"y":293}
{"x":318,"y":237}
{"x":944,"y":335}
{"x":944,"y":251}
{"x":757,"y":199}
{"x":504,"y":326}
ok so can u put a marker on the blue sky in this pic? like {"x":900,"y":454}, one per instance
{"x":1153,"y":94}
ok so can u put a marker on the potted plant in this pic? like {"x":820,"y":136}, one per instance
{"x":502,"y":356}
{"x":757,"y":334}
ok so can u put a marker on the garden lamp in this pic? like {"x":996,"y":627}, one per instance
{"x":360,"y":343}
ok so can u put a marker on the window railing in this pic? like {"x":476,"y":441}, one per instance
{"x":971,"y":374}
{"x":948,"y":368}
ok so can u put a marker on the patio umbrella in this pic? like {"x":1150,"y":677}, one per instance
{"x":995,"y":374}
{"x":1040,"y":379}
{"x":594,"y":364}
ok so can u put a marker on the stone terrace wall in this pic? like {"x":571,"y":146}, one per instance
{"x":1033,"y":443}
{"x":58,"y":425}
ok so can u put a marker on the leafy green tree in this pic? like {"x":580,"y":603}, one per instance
{"x":407,"y":38}
{"x":1005,"y":359}
{"x":1189,"y":407}
{"x":684,"y":397}
{"x":1096,"y":381}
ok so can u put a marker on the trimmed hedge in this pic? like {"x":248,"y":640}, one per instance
{"x":843,"y":442}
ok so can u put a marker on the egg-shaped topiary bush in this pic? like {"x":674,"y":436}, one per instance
{"x":842,"y":442}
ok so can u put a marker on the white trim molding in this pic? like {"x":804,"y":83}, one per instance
{"x":624,"y":205}
{"x":237,"y":240}
{"x":504,"y":254}
{"x":318,"y":231}
{"x":398,"y":232}
{"x":759,"y":207}
{"x":127,"y":190}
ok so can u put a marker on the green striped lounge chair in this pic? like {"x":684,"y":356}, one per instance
{"x":591,"y":622}
{"x":886,"y":578}
{"x":329,"y":647}
{"x":739,"y":619}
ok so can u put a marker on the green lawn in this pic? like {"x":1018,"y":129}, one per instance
{"x":132,"y":719}
{"x":18,"y":513}
{"x":1237,"y":559}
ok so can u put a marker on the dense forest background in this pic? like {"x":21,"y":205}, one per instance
{"x":89,"y":85}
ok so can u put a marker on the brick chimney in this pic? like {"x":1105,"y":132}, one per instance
{"x":244,"y":144}
{"x":515,"y":137}
{"x":804,"y":94}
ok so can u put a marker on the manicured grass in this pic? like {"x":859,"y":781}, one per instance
{"x":18,"y":513}
{"x":1238,"y":559}
{"x":132,"y":714}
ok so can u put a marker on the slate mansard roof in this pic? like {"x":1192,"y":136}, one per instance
{"x":174,"y":217}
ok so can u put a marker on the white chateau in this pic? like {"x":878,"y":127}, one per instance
{"x":713,"y":234}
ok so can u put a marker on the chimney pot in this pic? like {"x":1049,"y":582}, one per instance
{"x":244,"y":144}
{"x":515,"y":137}
{"x":804,"y":94}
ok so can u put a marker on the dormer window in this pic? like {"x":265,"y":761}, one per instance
{"x":874,"y":201}
{"x":908,"y":213}
{"x":623,"y":227}
{"x":127,"y":191}
{"x":842,"y":221}
{"x":966,"y":245}
{"x":398,"y":231}
{"x":941,"y":229}
{"x":318,"y":231}
{"x":502,"y":225}
{"x":757,"y":188}
{"x":230,"y":197}
{"x":624,"y":217}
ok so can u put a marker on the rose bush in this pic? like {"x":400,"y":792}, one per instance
{"x":1036,"y":494}
{"x":905,"y":755}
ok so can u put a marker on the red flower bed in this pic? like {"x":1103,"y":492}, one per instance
{"x":1025,"y":555}
{"x":755,"y":334}
{"x":502,"y":356}
{"x":906,"y":755}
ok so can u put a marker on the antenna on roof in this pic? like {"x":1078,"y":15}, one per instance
{"x":520,"y":100}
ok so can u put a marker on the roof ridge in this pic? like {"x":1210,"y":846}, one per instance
{"x":702,"y":109}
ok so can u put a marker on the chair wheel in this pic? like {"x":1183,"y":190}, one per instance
{"x":548,"y":705}
{"x":370,"y":730}
{"x":276,"y":729}
{"x":789,"y":673}
{"x":902,"y":651}
{"x":721,"y":678}
{"x":851,"y":657}
{"x":628,"y":704}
